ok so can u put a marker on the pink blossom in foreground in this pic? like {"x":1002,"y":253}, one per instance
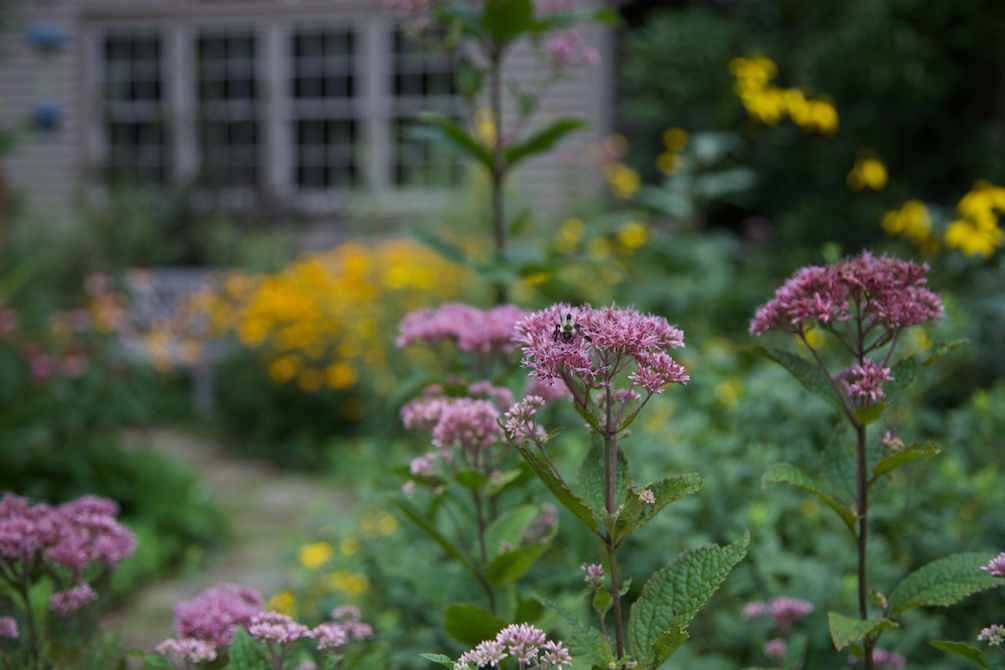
{"x":996,"y":566}
{"x":278,"y":628}
{"x":863,"y":382}
{"x":188,"y":649}
{"x":593,"y":573}
{"x":70,"y":600}
{"x":994,"y":635}
{"x":8,"y":627}
{"x":215,"y":614}
{"x":648,"y":497}
{"x":885,"y":292}
{"x":526,"y":643}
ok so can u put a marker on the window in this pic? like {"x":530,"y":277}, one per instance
{"x":134,"y":129}
{"x":228,"y":110}
{"x":421,"y":80}
{"x":323,"y":90}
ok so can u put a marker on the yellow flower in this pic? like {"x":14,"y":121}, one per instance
{"x":973,"y":238}
{"x":625,"y":182}
{"x":284,"y":368}
{"x":728,"y":391}
{"x":675,"y":139}
{"x":386,"y":524}
{"x":313,"y":555}
{"x":632,"y":235}
{"x":616,"y":145}
{"x":823,"y":116}
{"x":868,"y":172}
{"x":349,"y":546}
{"x":485,"y":126}
{"x":283,"y":602}
{"x":310,"y":381}
{"x":668,"y":162}
{"x":341,"y":375}
{"x":599,"y":248}
{"x":911,"y":221}
{"x":570,"y":231}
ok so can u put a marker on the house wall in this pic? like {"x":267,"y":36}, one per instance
{"x":52,"y":170}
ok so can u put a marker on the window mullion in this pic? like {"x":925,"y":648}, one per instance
{"x":180,"y":75}
{"x":278,"y":141}
{"x":374,"y":102}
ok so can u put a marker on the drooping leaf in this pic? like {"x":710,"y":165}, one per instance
{"x":785,"y":473}
{"x":664,"y":646}
{"x":508,"y":528}
{"x":565,"y":497}
{"x":439,"y":658}
{"x":602,"y":600}
{"x":808,"y":373}
{"x":452,"y":134}
{"x":416,"y":517}
{"x":470,"y":624}
{"x":902,"y":457}
{"x":676,"y":591}
{"x":845,"y":630}
{"x":636,"y":513}
{"x":542,"y":140}
{"x":585,"y":642}
{"x":942,"y":582}
{"x":906,"y":369}
{"x":962,"y":649}
{"x":506,"y":20}
{"x":246,"y":653}
{"x":512,"y":565}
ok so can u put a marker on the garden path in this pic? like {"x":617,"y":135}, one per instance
{"x":264,"y":505}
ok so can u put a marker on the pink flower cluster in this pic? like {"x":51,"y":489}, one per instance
{"x":566,"y":48}
{"x":469,"y":328}
{"x":994,"y":635}
{"x":783,"y":610}
{"x":996,"y":566}
{"x":863,"y":382}
{"x":344,"y":627}
{"x":882,"y":658}
{"x":604,"y":341}
{"x":468,"y":424}
{"x":8,"y":627}
{"x":519,"y":420}
{"x":526,"y":643}
{"x":593,"y":574}
{"x":272,"y":627}
{"x":886,"y":292}
{"x":214,"y":615}
{"x":77,"y":535}
{"x":188,"y":649}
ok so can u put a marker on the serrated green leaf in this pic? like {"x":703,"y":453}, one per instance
{"x":808,"y":373}
{"x":439,"y":658}
{"x":785,"y":473}
{"x":245,"y":653}
{"x":665,"y":645}
{"x":585,"y":643}
{"x":453,"y":135}
{"x":542,"y":140}
{"x":664,"y":491}
{"x":845,"y":630}
{"x":508,"y":529}
{"x":962,"y":649}
{"x":505,"y":20}
{"x":512,"y":565}
{"x":102,"y":654}
{"x":565,"y":497}
{"x":470,"y":624}
{"x":471,"y":479}
{"x":676,"y":592}
{"x":590,"y":484}
{"x":902,"y":457}
{"x":602,"y":600}
{"x":416,"y":517}
{"x":942,"y":582}
{"x":906,"y":369}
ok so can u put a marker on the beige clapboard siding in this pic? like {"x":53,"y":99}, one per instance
{"x":51,"y":170}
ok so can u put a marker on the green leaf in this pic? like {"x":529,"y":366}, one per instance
{"x":470,"y":624}
{"x":542,"y":140}
{"x":450,"y":251}
{"x":102,"y":654}
{"x":910,"y":367}
{"x":590,"y":484}
{"x":785,"y":473}
{"x":508,"y":528}
{"x":665,"y":645}
{"x":602,"y":600}
{"x":870,"y":413}
{"x":962,"y":649}
{"x":505,"y":20}
{"x":902,"y":457}
{"x":675,"y":592}
{"x":245,"y":653}
{"x":636,"y":513}
{"x":512,"y":565}
{"x":416,"y":517}
{"x":471,"y":479}
{"x":565,"y":497}
{"x":457,"y":137}
{"x":942,"y":582}
{"x":519,"y":222}
{"x":585,"y":643}
{"x":845,"y":630}
{"x":439,"y":658}
{"x":150,"y":659}
{"x":808,"y":373}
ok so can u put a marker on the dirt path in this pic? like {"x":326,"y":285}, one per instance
{"x":264,"y":507}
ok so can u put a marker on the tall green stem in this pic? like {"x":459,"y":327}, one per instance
{"x":862,"y":512}
{"x":610,"y":487}
{"x":498,"y":165}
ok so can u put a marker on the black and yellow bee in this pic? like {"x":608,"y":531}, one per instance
{"x":567,"y":329}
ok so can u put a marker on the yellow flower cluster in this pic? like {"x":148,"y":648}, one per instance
{"x":674,"y":140}
{"x":976,"y":232}
{"x":913,"y":222}
{"x":624,"y":181}
{"x":327,"y":317}
{"x":868,"y":172}
{"x":770,"y":104}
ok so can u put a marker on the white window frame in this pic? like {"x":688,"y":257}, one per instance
{"x":375,"y":106}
